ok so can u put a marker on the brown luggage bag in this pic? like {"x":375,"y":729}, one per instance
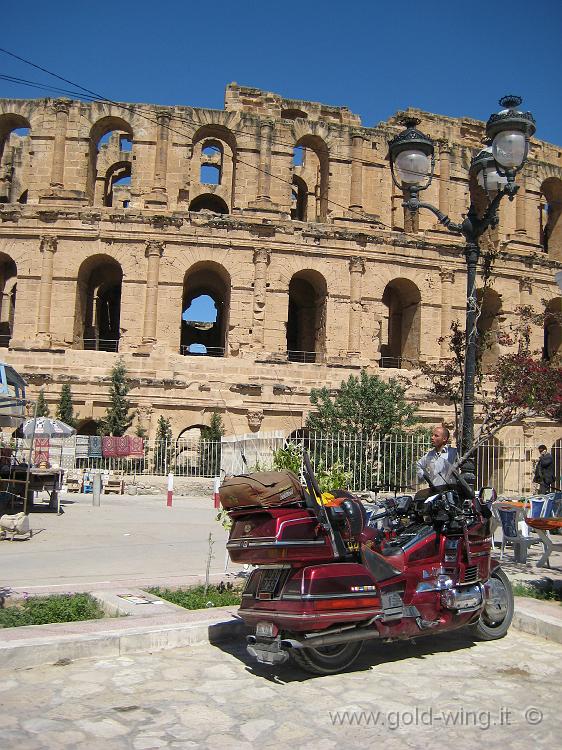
{"x":264,"y":489}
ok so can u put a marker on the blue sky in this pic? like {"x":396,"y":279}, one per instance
{"x":453,"y":58}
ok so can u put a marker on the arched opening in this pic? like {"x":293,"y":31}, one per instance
{"x":311,"y":165}
{"x":117,"y":187}
{"x":550,"y":212}
{"x":212,"y":154}
{"x":487,"y":326}
{"x":306,"y":319}
{"x":98,"y":304}
{"x":205,"y":309}
{"x":552,"y":348}
{"x":490,"y":465}
{"x":87,"y":427}
{"x":110,"y":147}
{"x":213,"y":163}
{"x":209,"y":202}
{"x":293,"y":114}
{"x":401,"y":325}
{"x":15,"y":140}
{"x":299,"y":199}
{"x":8,"y":290}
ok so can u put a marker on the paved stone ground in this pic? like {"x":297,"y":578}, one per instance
{"x":127,"y":540}
{"x":504,"y":693}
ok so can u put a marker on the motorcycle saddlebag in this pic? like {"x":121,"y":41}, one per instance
{"x":264,"y":489}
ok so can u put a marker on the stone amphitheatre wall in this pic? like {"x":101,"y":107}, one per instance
{"x":114,"y":218}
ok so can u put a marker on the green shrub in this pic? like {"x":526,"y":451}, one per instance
{"x":289,"y":457}
{"x":43,"y":610}
{"x":538,"y":590}
{"x":196,"y":598}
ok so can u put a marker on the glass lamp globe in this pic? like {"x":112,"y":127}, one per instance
{"x":509,"y":148}
{"x":493,"y":181}
{"x":413,"y":167}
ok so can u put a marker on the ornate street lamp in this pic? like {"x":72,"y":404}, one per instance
{"x":495,"y":167}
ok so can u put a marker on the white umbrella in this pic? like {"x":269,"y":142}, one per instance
{"x":46,"y":427}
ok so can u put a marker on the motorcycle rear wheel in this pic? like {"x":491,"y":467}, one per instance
{"x":496,"y":617}
{"x":327,"y":659}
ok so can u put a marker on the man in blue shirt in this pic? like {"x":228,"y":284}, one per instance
{"x":438,"y":462}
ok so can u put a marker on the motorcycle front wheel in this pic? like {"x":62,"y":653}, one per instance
{"x":497,"y":614}
{"x":327,"y":659}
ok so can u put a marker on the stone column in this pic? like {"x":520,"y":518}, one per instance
{"x":356,"y":271}
{"x":62,"y":108}
{"x":264,"y":174}
{"x":153,"y":252}
{"x":261,"y":261}
{"x":520,"y":207}
{"x":356,"y":203}
{"x":447,"y":280}
{"x":444,"y":176}
{"x":163,"y":117}
{"x":48,"y":247}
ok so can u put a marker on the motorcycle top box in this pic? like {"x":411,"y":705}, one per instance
{"x":262,"y":536}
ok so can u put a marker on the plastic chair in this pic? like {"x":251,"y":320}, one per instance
{"x":509,"y":519}
{"x":537,"y":506}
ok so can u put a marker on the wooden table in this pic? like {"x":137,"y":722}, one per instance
{"x":48,"y":480}
{"x":542,"y":526}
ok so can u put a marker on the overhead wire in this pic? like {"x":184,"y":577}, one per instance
{"x":91,"y":95}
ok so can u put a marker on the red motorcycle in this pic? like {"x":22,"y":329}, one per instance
{"x":329,"y":578}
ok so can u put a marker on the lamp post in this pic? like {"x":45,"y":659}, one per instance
{"x":495,"y":167}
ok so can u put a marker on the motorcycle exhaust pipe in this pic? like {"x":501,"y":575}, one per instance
{"x":330,"y":640}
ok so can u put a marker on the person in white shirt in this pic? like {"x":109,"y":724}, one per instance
{"x":438,"y":462}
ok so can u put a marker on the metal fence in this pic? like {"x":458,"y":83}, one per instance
{"x":370,"y":462}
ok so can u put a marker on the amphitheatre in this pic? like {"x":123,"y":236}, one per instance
{"x":117,"y":220}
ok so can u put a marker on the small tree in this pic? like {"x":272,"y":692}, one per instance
{"x":521,"y":385}
{"x":42,"y":406}
{"x":374,"y":415}
{"x":209,"y":446}
{"x":362,"y":405}
{"x":65,"y":410}
{"x":117,"y":419}
{"x":163,"y":445}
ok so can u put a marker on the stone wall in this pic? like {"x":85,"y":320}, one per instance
{"x":114,"y":217}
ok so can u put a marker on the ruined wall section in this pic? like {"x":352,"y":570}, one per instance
{"x":73,"y":238}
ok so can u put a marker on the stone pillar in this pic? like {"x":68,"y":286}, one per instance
{"x":48,"y":247}
{"x":163,"y":117}
{"x":525,"y":291}
{"x":153,"y":252}
{"x":264,"y":174}
{"x":444,"y":176}
{"x":520,"y":207}
{"x":261,"y":261}
{"x":356,"y":271}
{"x":356,"y":203}
{"x":447,"y":280}
{"x":62,"y":108}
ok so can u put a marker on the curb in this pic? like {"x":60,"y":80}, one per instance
{"x":59,"y":643}
{"x":64,"y":642}
{"x":543,"y":619}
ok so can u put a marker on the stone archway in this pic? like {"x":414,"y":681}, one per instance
{"x":401,"y":324}
{"x":306,"y":319}
{"x":205,"y":334}
{"x":98,"y":304}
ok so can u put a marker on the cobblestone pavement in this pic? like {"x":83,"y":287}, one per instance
{"x":407,"y":695}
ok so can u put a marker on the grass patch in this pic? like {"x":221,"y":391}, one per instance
{"x":44,"y":610}
{"x":195,"y":597}
{"x":543,"y":590}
